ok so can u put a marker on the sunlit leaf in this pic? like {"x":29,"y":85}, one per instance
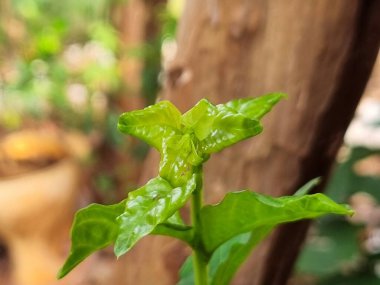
{"x":98,"y":226}
{"x":179,"y":159}
{"x":200,"y":119}
{"x":94,"y":228}
{"x":152,"y":124}
{"x":217,"y":127}
{"x":147,"y":207}
{"x":255,"y":108}
{"x":185,"y":142}
{"x":245,"y":211}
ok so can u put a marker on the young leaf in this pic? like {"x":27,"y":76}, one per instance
{"x":152,"y":124}
{"x":307,"y":187}
{"x":179,"y":159}
{"x":147,"y":207}
{"x":94,"y":228}
{"x":244,"y":211}
{"x":185,"y":142}
{"x":255,"y":108}
{"x":216,"y":127}
{"x":199,"y":119}
{"x":229,"y":128}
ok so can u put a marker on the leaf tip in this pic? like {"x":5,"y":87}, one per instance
{"x":119,"y":250}
{"x":62,"y":272}
{"x":121,"y":125}
{"x":350,"y":211}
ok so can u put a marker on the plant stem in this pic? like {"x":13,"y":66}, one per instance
{"x":199,"y":260}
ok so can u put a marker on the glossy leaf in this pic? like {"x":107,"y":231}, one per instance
{"x":94,"y":228}
{"x":148,"y":207}
{"x":217,"y":127}
{"x":185,"y":142}
{"x":255,"y":108}
{"x":179,"y":159}
{"x":245,"y":211}
{"x":229,"y":128}
{"x":200,"y":119}
{"x":152,"y":124}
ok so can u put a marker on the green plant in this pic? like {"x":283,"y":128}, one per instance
{"x":224,"y":233}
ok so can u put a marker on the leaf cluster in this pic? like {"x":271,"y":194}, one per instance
{"x":225,"y":233}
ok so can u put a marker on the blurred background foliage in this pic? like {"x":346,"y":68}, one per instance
{"x":60,"y":62}
{"x":61,"y":66}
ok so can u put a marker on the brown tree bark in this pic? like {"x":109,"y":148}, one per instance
{"x":132,"y":19}
{"x":319,"y":52}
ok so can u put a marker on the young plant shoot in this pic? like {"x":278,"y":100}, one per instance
{"x":234,"y":226}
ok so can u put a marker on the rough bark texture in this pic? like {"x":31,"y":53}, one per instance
{"x":319,"y":52}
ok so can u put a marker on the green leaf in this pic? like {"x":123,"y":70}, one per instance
{"x":255,"y":108}
{"x":181,"y":232}
{"x":152,"y":124}
{"x":245,"y":211}
{"x":94,"y":228}
{"x":175,"y":227}
{"x":229,"y":128}
{"x":185,"y":142}
{"x":180,"y":158}
{"x":200,"y":119}
{"x":307,"y":187}
{"x":217,"y":127}
{"x":186,"y":273}
{"x":227,"y":258}
{"x":148,"y":207}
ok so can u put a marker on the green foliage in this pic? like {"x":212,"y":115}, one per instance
{"x":245,"y":211}
{"x":59,"y":63}
{"x":223,"y":234}
{"x":185,"y":142}
{"x":125,"y":223}
{"x":147,"y":207}
{"x":94,"y":228}
{"x":237,"y":224}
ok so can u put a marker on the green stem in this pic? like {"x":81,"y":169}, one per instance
{"x":199,"y":260}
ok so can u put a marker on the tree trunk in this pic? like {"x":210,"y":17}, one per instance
{"x":319,"y":52}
